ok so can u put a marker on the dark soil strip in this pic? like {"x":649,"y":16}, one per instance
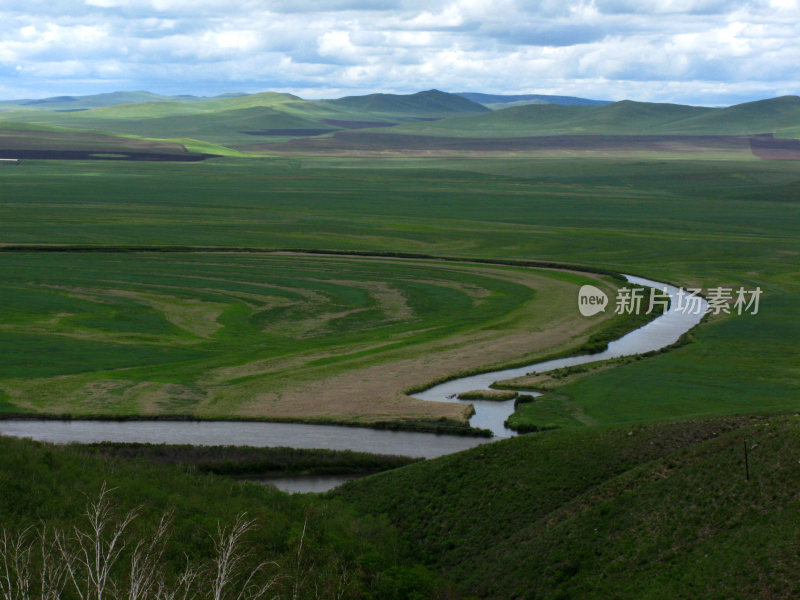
{"x":399,"y":142}
{"x":762,"y":146}
{"x":103,"y":155}
{"x":766,"y":146}
{"x":541,"y":264}
{"x":357,"y":124}
{"x":290,"y":132}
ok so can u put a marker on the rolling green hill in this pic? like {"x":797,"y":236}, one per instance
{"x":236,"y":126}
{"x":428,"y":104}
{"x":253,"y":120}
{"x":247,"y":119}
{"x":496,"y":101}
{"x":224,"y":121}
{"x":778,"y":115}
{"x":775,"y":115}
{"x":553,"y":119}
{"x":25,"y":140}
{"x":77,"y":103}
{"x":663,"y":511}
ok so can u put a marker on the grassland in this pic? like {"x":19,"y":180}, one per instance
{"x":695,"y":223}
{"x":26,"y":141}
{"x":762,"y":377}
{"x":661,"y":511}
{"x":424,"y":124}
{"x":612,"y":503}
{"x":395,"y":144}
{"x":777,"y":115}
{"x":260,"y":335}
{"x":317,"y":549}
{"x":239,"y":120}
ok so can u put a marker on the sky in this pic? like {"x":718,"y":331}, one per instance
{"x":709,"y":52}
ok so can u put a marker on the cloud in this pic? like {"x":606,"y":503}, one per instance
{"x":697,"y":51}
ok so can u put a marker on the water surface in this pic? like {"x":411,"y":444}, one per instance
{"x":658,"y":333}
{"x":661,"y":332}
{"x":304,"y":484}
{"x":239,"y":433}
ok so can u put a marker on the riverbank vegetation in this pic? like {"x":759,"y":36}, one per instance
{"x":306,"y":547}
{"x":245,"y":461}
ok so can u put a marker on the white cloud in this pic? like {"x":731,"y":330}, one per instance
{"x":703,"y":51}
{"x":337,"y":44}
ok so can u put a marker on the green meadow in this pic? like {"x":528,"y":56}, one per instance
{"x":776,"y":115}
{"x":694,"y":223}
{"x":239,"y":120}
{"x":324,"y":288}
{"x":657,"y":511}
{"x":244,"y":334}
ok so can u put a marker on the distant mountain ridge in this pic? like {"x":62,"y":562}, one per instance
{"x":431,"y":102}
{"x":233,"y":120}
{"x":62,"y":103}
{"x":264,"y":119}
{"x":508,"y":99}
{"x":780,"y":116}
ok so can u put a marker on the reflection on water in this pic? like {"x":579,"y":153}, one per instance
{"x":657,"y":334}
{"x":238,"y":433}
{"x":304,"y":484}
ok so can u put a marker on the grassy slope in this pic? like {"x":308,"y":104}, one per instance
{"x":766,"y":116}
{"x":224,"y":124}
{"x":34,"y":136}
{"x":227,"y":120}
{"x":662,"y":511}
{"x":230,"y":121}
{"x":123,"y":100}
{"x":223,"y":127}
{"x":42,"y":483}
{"x":69,"y":103}
{"x":627,"y":117}
{"x":431,"y":103}
{"x":22,"y":136}
{"x":500,"y":100}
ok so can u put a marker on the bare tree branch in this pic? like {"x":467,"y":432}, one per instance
{"x":145,"y":573}
{"x":97,"y":549}
{"x":88,"y":559}
{"x":53,"y":573}
{"x":15,"y":562}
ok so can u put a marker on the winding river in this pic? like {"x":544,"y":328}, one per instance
{"x":660,"y":332}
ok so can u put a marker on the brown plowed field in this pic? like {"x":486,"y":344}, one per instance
{"x":362,"y":143}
